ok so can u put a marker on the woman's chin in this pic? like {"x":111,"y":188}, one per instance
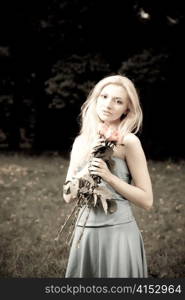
{"x":105,"y":118}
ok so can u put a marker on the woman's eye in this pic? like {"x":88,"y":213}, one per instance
{"x":104,"y":96}
{"x":119,"y":102}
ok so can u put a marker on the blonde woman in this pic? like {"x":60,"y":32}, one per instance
{"x":111,"y":245}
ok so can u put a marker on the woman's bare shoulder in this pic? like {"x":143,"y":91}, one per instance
{"x":131,"y":139}
{"x":129,"y":142}
{"x":133,"y":148}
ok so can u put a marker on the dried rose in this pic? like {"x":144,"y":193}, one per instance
{"x":109,"y":134}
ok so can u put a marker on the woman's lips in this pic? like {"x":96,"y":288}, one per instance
{"x":105,"y":112}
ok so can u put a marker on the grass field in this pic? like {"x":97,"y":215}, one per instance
{"x":32,"y":211}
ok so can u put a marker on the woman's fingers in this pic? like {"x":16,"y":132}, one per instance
{"x":96,"y":161}
{"x":97,"y":164}
{"x":94,"y":170}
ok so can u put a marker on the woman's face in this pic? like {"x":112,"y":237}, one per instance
{"x":112,"y":103}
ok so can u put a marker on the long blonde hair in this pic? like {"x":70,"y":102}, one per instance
{"x":90,"y":121}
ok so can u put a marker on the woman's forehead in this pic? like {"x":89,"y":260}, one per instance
{"x":114,"y":89}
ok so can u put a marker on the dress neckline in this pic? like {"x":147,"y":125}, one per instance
{"x":123,"y":160}
{"x":118,"y":158}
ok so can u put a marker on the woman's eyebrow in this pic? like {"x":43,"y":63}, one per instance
{"x":120,"y":98}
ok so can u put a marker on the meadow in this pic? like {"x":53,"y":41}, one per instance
{"x":32,"y":211}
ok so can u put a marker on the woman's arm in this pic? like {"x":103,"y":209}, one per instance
{"x":72,"y":169}
{"x":141,"y":193}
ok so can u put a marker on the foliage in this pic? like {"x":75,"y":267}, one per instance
{"x":73,"y":78}
{"x":146,"y":68}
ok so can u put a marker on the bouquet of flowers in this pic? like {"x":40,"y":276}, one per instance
{"x":87,"y":189}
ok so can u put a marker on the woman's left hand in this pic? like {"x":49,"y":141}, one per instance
{"x":99,"y":167}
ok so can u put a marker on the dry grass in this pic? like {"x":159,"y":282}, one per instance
{"x":32,"y":211}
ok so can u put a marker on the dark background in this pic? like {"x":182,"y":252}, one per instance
{"x":52,"y":52}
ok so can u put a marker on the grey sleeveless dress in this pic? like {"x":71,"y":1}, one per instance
{"x":111,"y":245}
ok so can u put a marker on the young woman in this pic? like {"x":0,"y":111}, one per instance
{"x":111,"y":245}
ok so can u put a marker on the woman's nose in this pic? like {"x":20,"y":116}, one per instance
{"x":108,"y":103}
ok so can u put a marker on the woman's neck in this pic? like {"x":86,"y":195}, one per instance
{"x":112,"y":125}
